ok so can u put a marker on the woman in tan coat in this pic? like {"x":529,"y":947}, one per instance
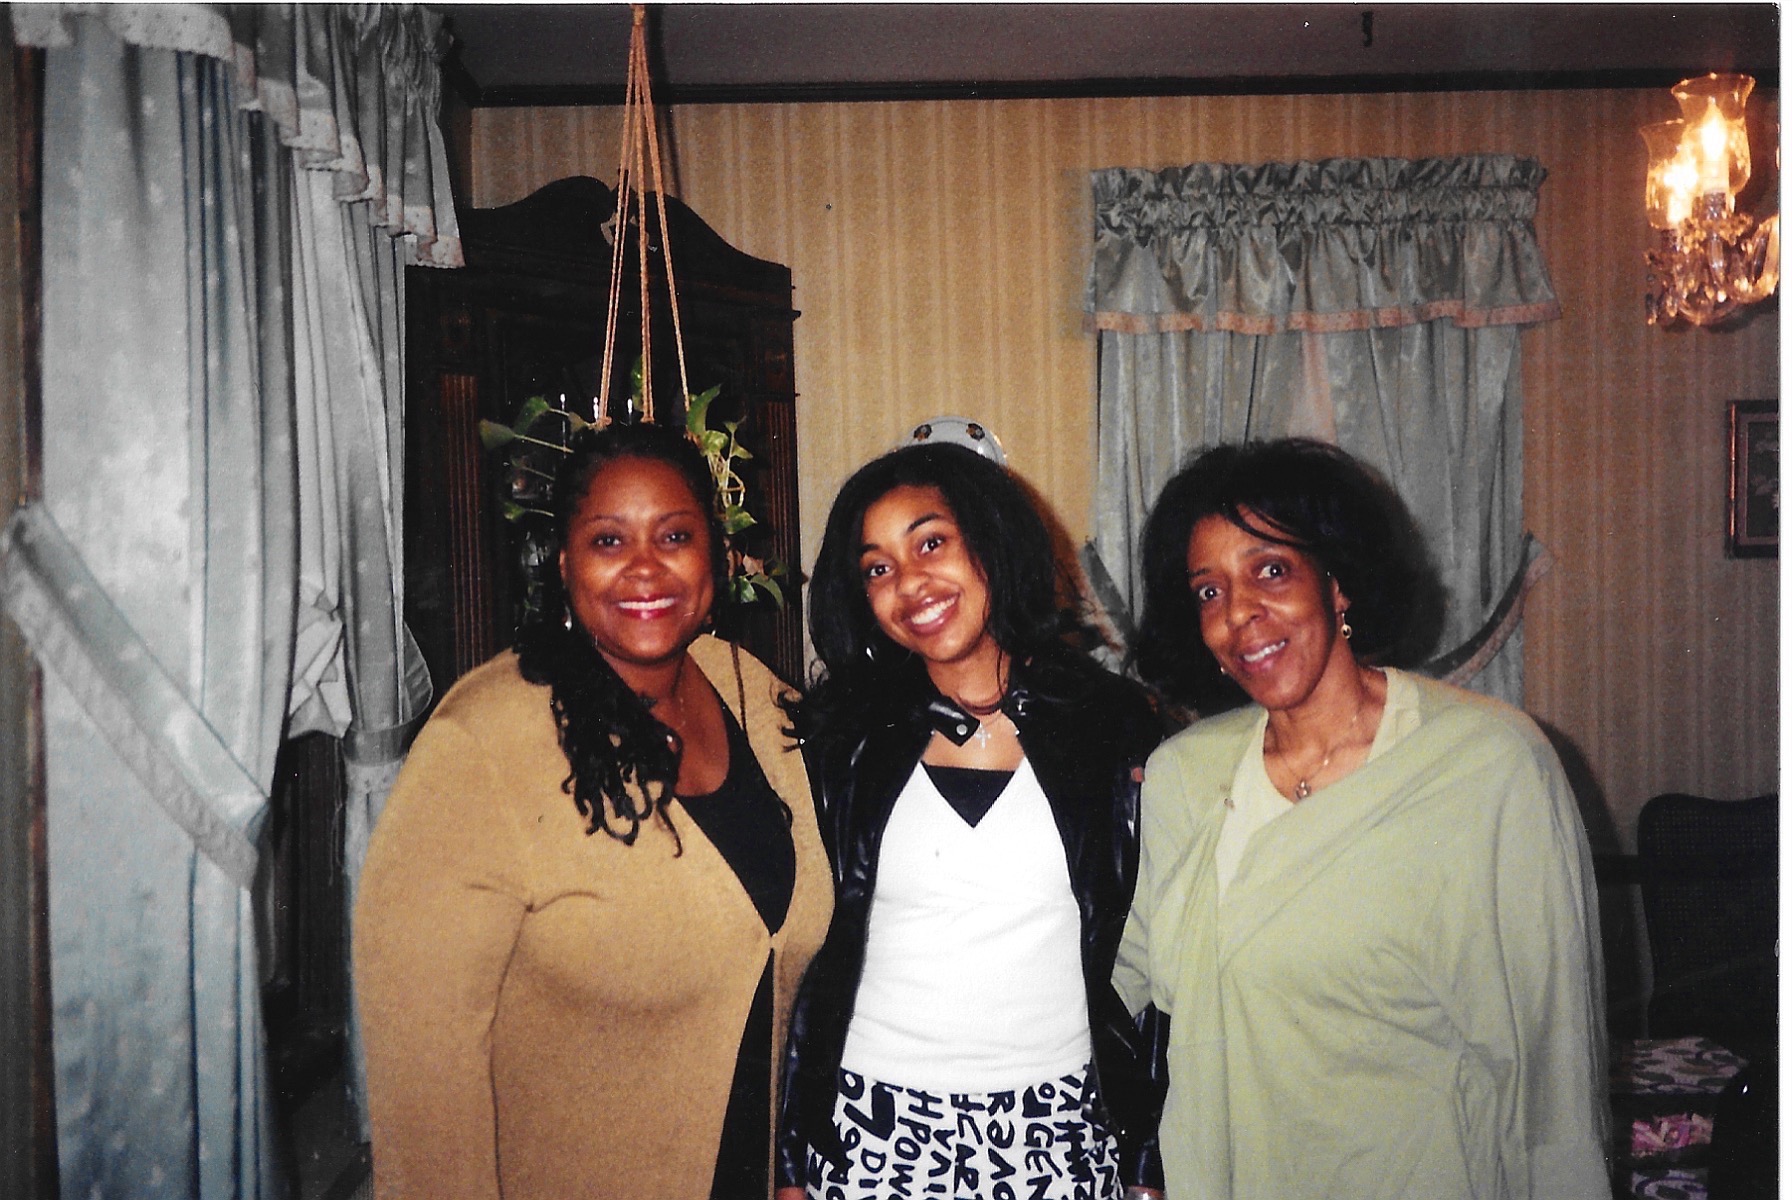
{"x":597,"y":882}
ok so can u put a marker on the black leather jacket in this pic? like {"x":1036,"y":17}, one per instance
{"x":1087,"y":734}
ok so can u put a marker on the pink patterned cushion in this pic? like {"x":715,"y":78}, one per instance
{"x":1676,"y":1184}
{"x":1689,"y":1066}
{"x":1665,"y":1134}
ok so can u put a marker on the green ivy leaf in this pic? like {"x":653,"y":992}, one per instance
{"x":514,"y":511}
{"x":736,"y":519}
{"x":532,"y":411}
{"x":493,"y":435}
{"x":771,"y":589}
{"x":696,"y":410}
{"x":712,"y":441}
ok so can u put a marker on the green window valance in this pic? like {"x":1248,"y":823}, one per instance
{"x":1324,"y":246}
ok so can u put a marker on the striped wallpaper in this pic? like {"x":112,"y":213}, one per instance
{"x":938,"y":251}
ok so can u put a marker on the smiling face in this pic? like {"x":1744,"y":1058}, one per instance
{"x":928,"y":593}
{"x":636,"y":565}
{"x":1269,"y":613}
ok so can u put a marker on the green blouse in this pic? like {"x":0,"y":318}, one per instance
{"x":1400,"y":994}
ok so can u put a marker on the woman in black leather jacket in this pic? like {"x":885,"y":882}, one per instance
{"x":977,"y":782}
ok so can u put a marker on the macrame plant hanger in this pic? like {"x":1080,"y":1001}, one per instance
{"x":640,"y":154}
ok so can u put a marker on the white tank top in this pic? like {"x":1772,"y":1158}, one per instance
{"x":973,"y":976}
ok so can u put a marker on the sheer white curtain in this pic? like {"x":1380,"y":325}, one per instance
{"x":230,"y":194}
{"x":1373,"y":303}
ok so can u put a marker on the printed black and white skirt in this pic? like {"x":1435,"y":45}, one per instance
{"x":1033,"y":1143}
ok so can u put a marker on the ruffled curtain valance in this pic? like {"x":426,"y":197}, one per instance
{"x":1323,"y":247}
{"x":354,"y":89}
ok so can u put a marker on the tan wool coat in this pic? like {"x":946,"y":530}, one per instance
{"x":549,"y":1013}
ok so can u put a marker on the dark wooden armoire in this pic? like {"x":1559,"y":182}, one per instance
{"x":525,"y":317}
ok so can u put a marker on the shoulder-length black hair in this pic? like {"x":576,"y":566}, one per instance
{"x":1006,"y":537}
{"x":1304,"y":494}
{"x":609,"y":737}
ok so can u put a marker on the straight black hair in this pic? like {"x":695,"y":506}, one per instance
{"x":1304,"y":494}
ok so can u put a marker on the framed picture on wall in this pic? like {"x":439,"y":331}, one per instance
{"x":1754,"y":479}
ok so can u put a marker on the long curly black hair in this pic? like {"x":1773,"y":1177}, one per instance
{"x":1304,"y":494}
{"x":862,"y":673}
{"x":610,"y":739}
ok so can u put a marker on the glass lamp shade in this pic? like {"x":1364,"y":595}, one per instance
{"x":1712,"y":107}
{"x":1711,"y":259}
{"x":1673,"y":176}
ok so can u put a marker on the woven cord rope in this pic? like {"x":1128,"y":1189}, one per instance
{"x":638,"y":96}
{"x":659,"y":193}
{"x":640,"y":150}
{"x":602,"y":415}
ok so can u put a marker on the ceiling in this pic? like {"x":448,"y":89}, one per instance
{"x":577,"y":53}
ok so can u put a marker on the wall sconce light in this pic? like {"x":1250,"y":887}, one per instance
{"x":1711,"y":259}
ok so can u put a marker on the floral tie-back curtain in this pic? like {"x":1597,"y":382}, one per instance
{"x":1373,"y":303}
{"x":230,"y":195}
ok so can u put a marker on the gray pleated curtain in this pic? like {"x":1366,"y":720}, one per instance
{"x":1373,"y":303}
{"x":229,"y":196}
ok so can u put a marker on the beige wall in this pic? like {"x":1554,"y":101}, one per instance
{"x":938,"y":250}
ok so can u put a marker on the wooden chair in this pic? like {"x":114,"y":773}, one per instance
{"x":1710,"y":882}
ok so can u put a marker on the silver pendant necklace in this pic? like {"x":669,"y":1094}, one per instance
{"x":1303,"y":786}
{"x":983,"y":714}
{"x":984,"y":728}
